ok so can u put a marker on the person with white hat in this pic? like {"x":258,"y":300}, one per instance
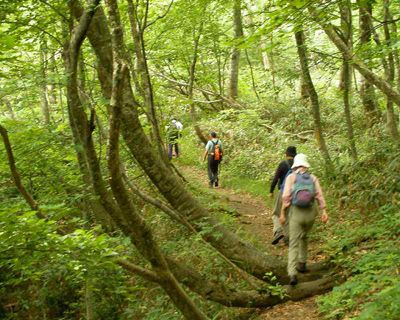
{"x":173,"y":134}
{"x":299,"y":195}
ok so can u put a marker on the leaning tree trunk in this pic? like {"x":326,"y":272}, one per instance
{"x":367,"y":91}
{"x":243,"y":254}
{"x":15,"y":174}
{"x":235,"y":58}
{"x":122,"y":209}
{"x":306,"y":76}
{"x":346,"y":24}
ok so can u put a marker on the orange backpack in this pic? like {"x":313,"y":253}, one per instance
{"x":217,"y":151}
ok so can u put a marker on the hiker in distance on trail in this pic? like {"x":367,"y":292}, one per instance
{"x":173,"y":130}
{"x":213,"y":153}
{"x":284,"y":167}
{"x":298,"y":198}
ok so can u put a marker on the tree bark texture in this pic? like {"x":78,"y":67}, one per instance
{"x":302,"y":52}
{"x":235,"y":58}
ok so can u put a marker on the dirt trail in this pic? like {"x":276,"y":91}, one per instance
{"x":255,"y":218}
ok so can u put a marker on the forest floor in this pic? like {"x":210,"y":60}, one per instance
{"x":256,"y":218}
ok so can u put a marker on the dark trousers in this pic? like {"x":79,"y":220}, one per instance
{"x":212,"y":169}
{"x":170,"y":148}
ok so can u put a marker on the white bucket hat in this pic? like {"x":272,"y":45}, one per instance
{"x":300,"y":160}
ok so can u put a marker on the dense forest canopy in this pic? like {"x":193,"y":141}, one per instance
{"x":96,"y":222}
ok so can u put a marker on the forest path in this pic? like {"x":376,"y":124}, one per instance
{"x":256,"y":218}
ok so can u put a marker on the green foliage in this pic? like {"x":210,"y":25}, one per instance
{"x":45,"y":273}
{"x":370,"y":255}
{"x":48,"y":275}
{"x":46,"y":161}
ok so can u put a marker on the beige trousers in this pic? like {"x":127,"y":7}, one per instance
{"x":301,"y":221}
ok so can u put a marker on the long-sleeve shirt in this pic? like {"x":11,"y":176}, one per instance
{"x":280,"y":174}
{"x":287,"y":192}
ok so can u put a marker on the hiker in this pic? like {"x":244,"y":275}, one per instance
{"x":173,"y":134}
{"x":280,"y":231}
{"x":214,"y":153}
{"x":178,"y":125}
{"x":298,"y":198}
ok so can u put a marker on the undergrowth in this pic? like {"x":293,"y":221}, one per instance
{"x":362,"y":237}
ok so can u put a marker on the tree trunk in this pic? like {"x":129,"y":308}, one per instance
{"x":52,"y":92}
{"x":15,"y":174}
{"x":390,"y":74}
{"x":9,"y":109}
{"x":367,"y":91}
{"x":268,"y":58}
{"x":235,"y":58}
{"x":302,"y":52}
{"x":43,"y":71}
{"x":346,"y":24}
{"x":137,"y":32}
{"x":374,"y":79}
{"x":253,"y":81}
{"x":123,"y":212}
{"x":231,"y":297}
{"x":192,"y":71}
{"x":241,"y":253}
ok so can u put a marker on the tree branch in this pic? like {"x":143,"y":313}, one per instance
{"x":145,"y":273}
{"x":159,"y":17}
{"x":16,"y":177}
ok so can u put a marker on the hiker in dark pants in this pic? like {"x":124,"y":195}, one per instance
{"x":280,"y":174}
{"x":213,"y":161}
{"x":298,"y":198}
{"x":173,"y":134}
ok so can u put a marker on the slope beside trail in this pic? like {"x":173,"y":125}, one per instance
{"x":254,"y":216}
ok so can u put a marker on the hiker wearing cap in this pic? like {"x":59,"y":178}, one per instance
{"x":298,"y":198}
{"x":173,"y":134}
{"x":213,"y":153}
{"x":280,"y":231}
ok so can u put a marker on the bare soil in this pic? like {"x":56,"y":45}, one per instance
{"x":256,"y":218}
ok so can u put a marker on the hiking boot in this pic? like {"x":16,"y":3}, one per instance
{"x":216,"y":183}
{"x":293,"y":280}
{"x":301,"y":267}
{"x":277,"y":236}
